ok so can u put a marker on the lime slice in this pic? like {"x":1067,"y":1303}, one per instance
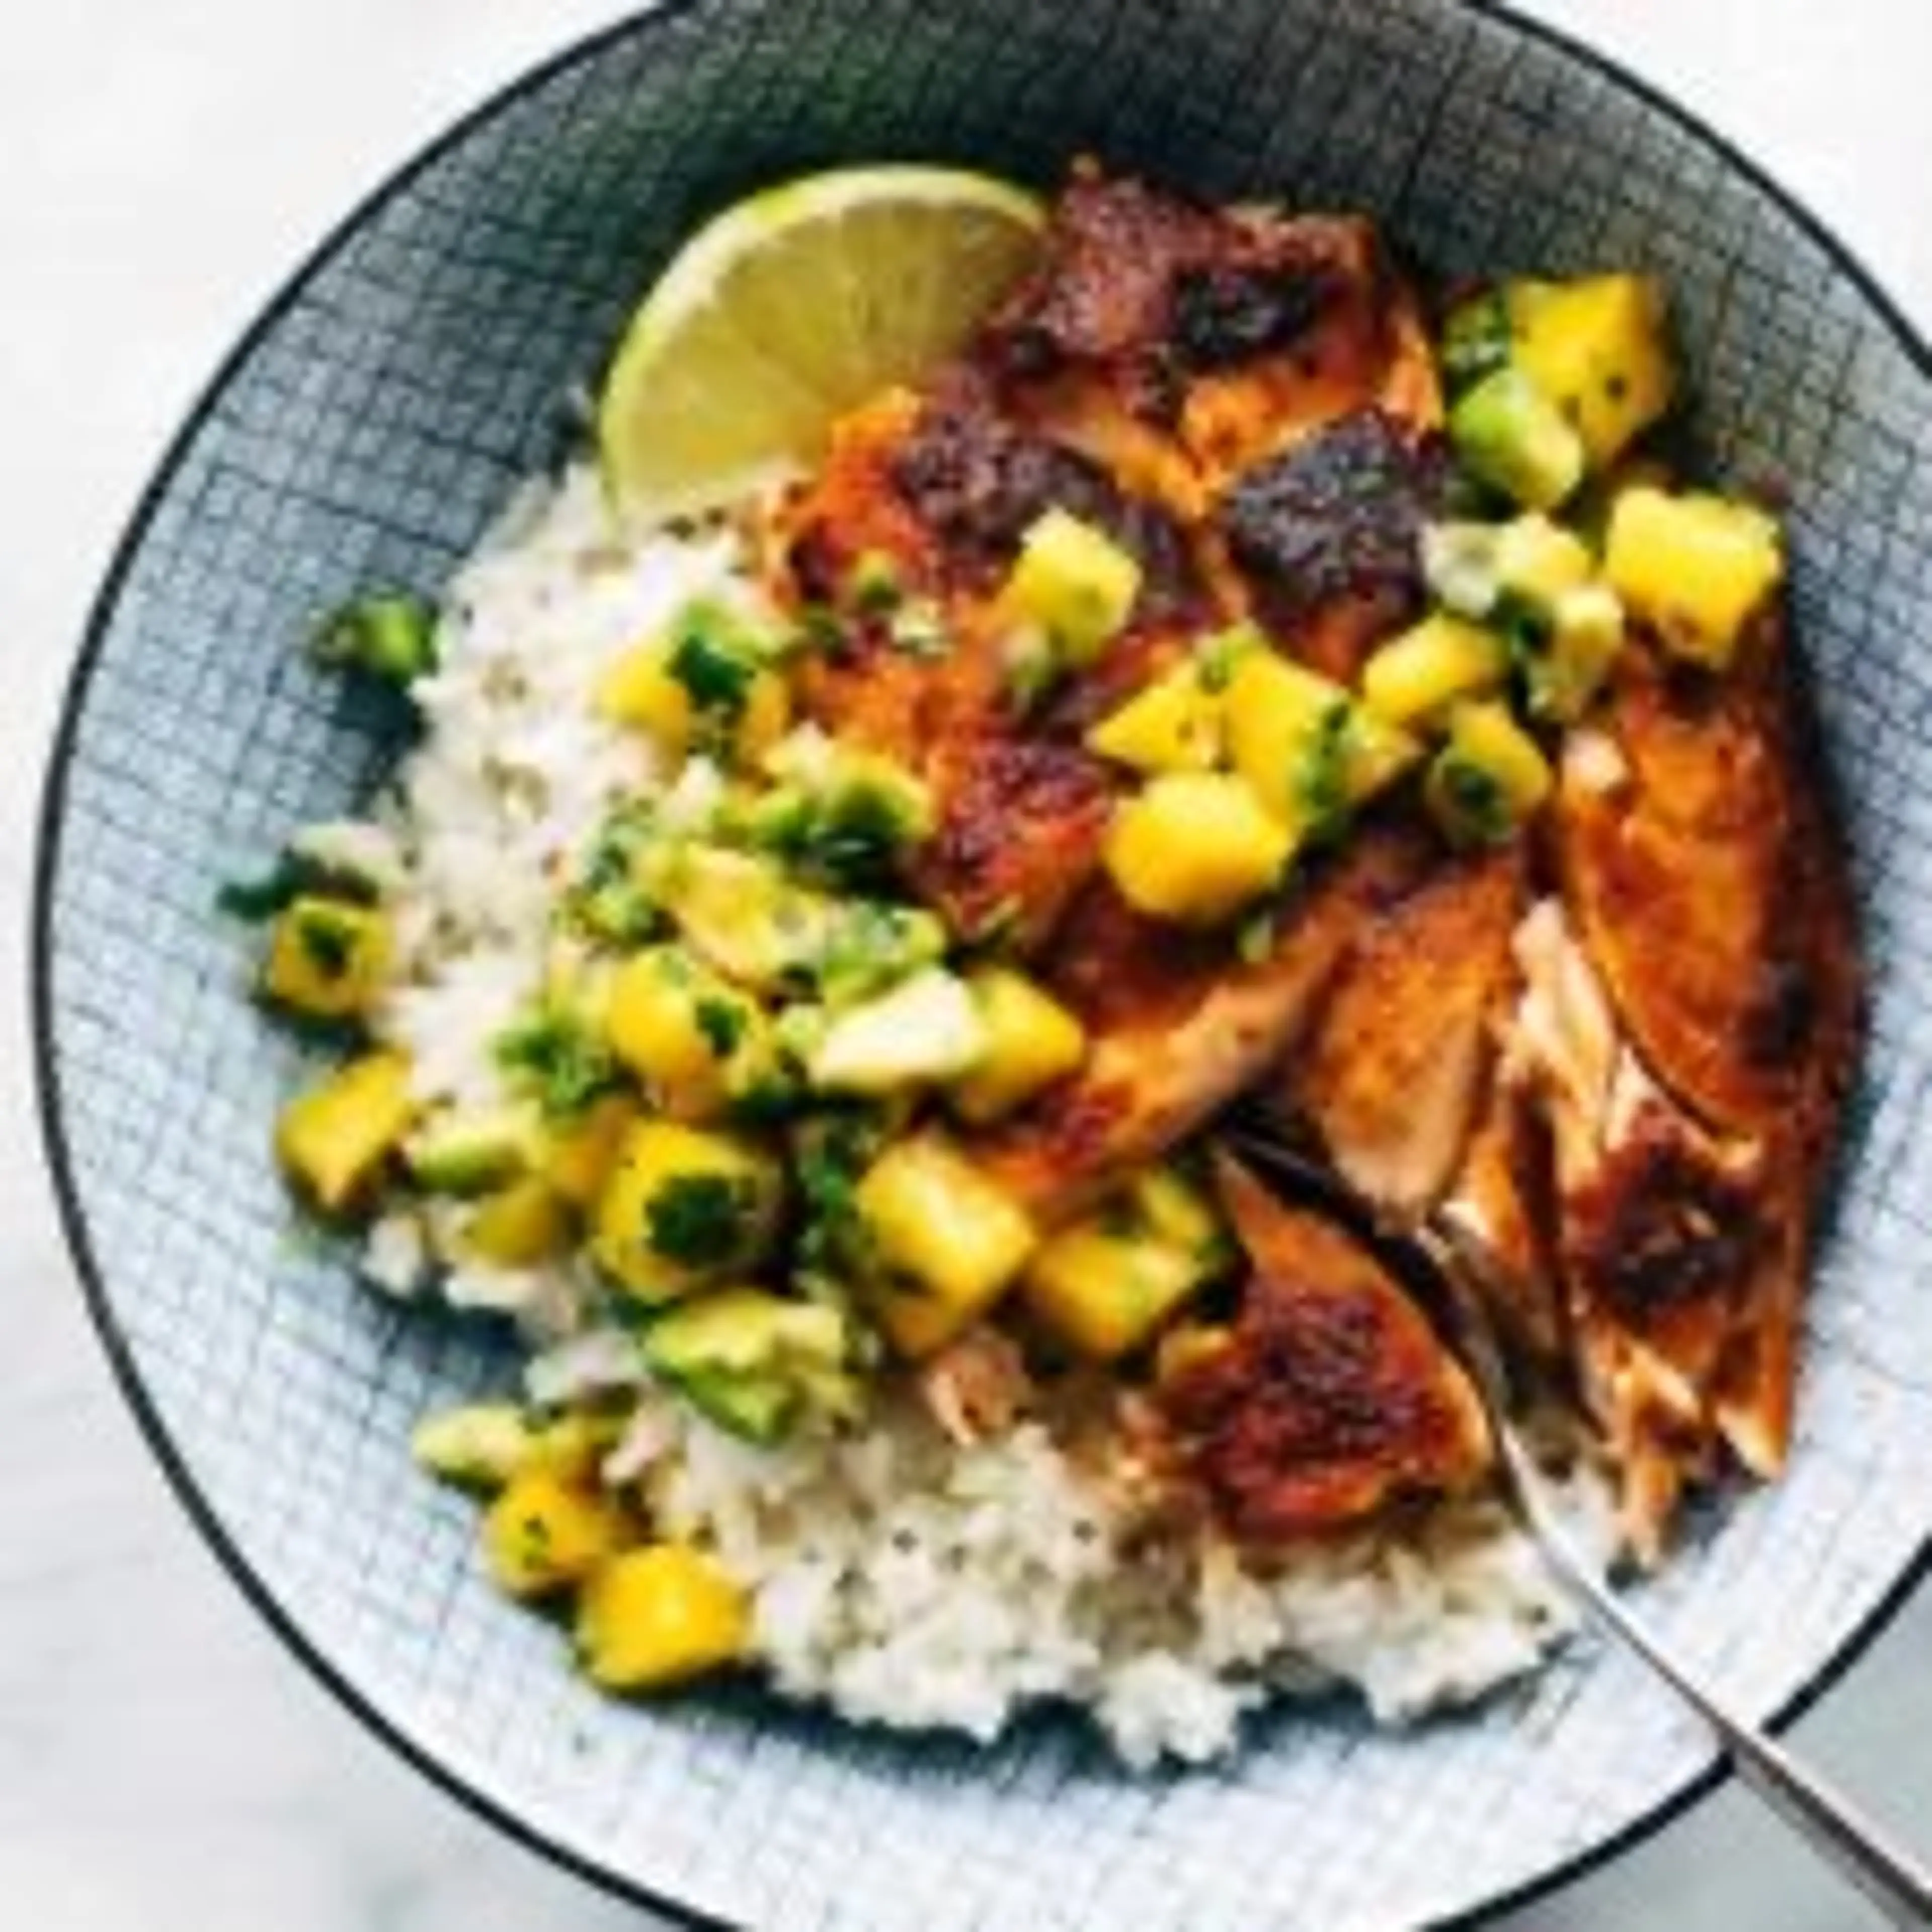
{"x":792,"y":308}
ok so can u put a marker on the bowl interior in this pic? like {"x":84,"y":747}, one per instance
{"x":365,"y":431}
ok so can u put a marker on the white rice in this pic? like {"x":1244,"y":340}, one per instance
{"x":897,"y":1577}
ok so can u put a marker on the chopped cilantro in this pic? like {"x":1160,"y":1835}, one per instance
{"x":715,"y":659}
{"x":1319,"y":775}
{"x":327,"y":942}
{"x":722,"y":1023}
{"x":292,"y":874}
{"x":1475,"y":800}
{"x":697,"y":1220}
{"x":556,"y":1057}
{"x":832,"y":1152}
{"x":388,"y":635}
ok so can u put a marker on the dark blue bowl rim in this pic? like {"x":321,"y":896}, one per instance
{"x":578,"y":53}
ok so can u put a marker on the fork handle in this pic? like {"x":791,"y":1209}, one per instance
{"x":1897,"y":1883}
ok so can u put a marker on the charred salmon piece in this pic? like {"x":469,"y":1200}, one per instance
{"x":1391,"y":1075}
{"x":1681,"y":1250}
{"x":1188,"y":343}
{"x":1330,"y":1396}
{"x":943,"y":487}
{"x":1499,"y":1199}
{"x":1178,"y":1025}
{"x":1698,"y":862}
{"x":1327,"y":536}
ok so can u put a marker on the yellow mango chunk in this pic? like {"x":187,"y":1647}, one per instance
{"x":1599,"y":349}
{"x":1695,"y":568}
{"x":520,"y":1226}
{"x":681,"y":1029}
{"x":579,"y":1154}
{"x":1032,"y":1040}
{"x":948,"y":1241}
{"x":1072,"y":583}
{"x":333,"y":1140}
{"x":661,"y":1615}
{"x":1412,"y":679}
{"x":1174,"y":725}
{"x":685,"y":1206}
{"x":545,"y":1531}
{"x":1489,"y":779}
{"x":326,"y":957}
{"x":1195,"y":847}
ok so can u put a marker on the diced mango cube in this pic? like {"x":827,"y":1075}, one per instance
{"x":685,"y":1206}
{"x":1032,"y":1040}
{"x":1489,"y":778}
{"x":579,"y":1154}
{"x":1105,"y":1283}
{"x":1195,"y":847}
{"x":948,"y":1241}
{"x":326,"y":957}
{"x":1412,"y":679}
{"x":1600,"y":350}
{"x":1174,"y":725}
{"x":545,"y":1531}
{"x":652,"y":1617}
{"x":333,"y":1140}
{"x":520,"y":1226}
{"x":1073,"y":583}
{"x":1695,"y":568}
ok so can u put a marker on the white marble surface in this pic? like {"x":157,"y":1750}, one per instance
{"x":163,"y":1767}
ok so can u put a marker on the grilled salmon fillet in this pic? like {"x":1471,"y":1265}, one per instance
{"x":1614,"y":1053}
{"x":1195,"y":383}
{"x":1700,"y":869}
{"x":1330,"y":1397}
{"x":1391,"y":1076}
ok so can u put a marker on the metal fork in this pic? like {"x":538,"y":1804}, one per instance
{"x":1895,"y":1882}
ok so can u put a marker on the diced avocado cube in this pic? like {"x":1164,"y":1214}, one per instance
{"x":752,"y":1362}
{"x":466,"y":1154}
{"x":926,"y":1031}
{"x":480,"y":1445}
{"x":1489,"y":779}
{"x":1475,"y":340}
{"x":1508,"y":435}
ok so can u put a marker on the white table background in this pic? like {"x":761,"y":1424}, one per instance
{"x":163,"y":1767}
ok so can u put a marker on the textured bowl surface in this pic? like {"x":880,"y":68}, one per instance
{"x":364,"y":431}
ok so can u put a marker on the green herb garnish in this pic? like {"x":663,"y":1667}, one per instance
{"x":388,"y":635}
{"x":697,"y":1220}
{"x":555,"y":1056}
